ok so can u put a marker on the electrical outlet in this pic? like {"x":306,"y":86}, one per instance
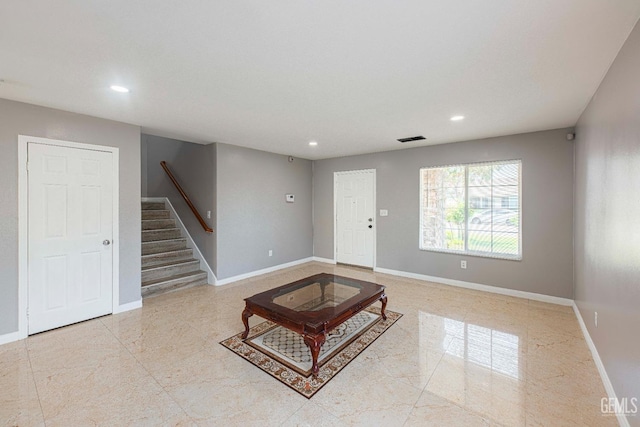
{"x":595,"y":318}
{"x":463,"y":264}
{"x":270,"y":252}
{"x":209,"y":214}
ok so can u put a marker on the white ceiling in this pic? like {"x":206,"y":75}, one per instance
{"x":353,"y":75}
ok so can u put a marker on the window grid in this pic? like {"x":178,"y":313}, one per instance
{"x":500,"y":183}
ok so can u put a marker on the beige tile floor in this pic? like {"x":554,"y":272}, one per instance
{"x":457,"y":357}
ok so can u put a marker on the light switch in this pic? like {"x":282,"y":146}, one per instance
{"x":384,"y":212}
{"x":289,"y":198}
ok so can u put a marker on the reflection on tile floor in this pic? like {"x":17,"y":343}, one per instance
{"x":456,"y":357}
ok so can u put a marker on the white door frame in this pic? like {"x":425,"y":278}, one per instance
{"x":23,"y":217}
{"x":335,"y":213}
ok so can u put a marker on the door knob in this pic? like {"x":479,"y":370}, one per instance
{"x":106,"y":242}
{"x":370,"y":226}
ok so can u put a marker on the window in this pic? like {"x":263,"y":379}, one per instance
{"x":479,"y":202}
{"x":472,"y":209}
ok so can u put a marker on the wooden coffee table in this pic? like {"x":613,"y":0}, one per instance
{"x":314,"y":306}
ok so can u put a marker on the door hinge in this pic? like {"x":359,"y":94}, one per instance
{"x":27,"y":166}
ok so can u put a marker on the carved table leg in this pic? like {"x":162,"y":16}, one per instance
{"x":314,"y":343}
{"x":245,"y":319}
{"x":383,"y":299}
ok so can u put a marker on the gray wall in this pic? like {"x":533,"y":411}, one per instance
{"x":607,"y":219}
{"x":253,"y":216}
{"x":194,"y":166}
{"x":547,"y":186}
{"x":24,"y":119}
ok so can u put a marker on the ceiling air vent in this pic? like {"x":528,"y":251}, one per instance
{"x":413,"y":138}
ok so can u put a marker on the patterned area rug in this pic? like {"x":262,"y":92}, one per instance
{"x":283,"y":354}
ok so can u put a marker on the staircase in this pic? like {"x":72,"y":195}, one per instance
{"x":167,"y":264}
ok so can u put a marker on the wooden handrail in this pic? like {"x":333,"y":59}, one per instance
{"x":186,"y":198}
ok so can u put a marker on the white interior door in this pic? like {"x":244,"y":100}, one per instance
{"x":355,"y":217}
{"x":70,"y":269}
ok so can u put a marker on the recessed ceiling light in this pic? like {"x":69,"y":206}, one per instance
{"x":120,"y":89}
{"x":313,"y":143}
{"x":456,"y":118}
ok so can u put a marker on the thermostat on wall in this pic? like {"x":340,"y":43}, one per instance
{"x":290,"y":198}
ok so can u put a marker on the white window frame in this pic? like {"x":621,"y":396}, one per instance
{"x":467,"y":252}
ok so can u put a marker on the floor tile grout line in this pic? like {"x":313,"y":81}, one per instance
{"x":294,"y":412}
{"x":468,"y":410}
{"x":139,"y":362}
{"x":526,"y":361}
{"x":35,"y":384}
{"x":424,"y":390}
{"x":413,"y":407}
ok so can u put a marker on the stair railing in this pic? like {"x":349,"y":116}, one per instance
{"x":186,"y":198}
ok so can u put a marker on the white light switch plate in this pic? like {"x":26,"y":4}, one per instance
{"x":384,"y":212}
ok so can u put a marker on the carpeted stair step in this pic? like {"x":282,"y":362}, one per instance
{"x":153,"y":206}
{"x":164,"y":234}
{"x":182,"y":281}
{"x":149,"y":248}
{"x":167,"y":264}
{"x":166,"y":257}
{"x":164,"y":271}
{"x":155,"y":214}
{"x":158,"y":224}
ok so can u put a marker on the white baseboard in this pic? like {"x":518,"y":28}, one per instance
{"x":128,"y":306}
{"x":622,"y":420}
{"x":11,"y":337}
{"x":204,"y":265}
{"x":263,"y":271}
{"x":479,"y":287}
{"x":325,"y":260}
{"x":16,"y":336}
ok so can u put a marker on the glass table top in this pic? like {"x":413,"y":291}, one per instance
{"x":316,"y":296}
{"x":315,"y":299}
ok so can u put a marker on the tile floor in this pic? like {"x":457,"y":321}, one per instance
{"x":457,"y":357}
